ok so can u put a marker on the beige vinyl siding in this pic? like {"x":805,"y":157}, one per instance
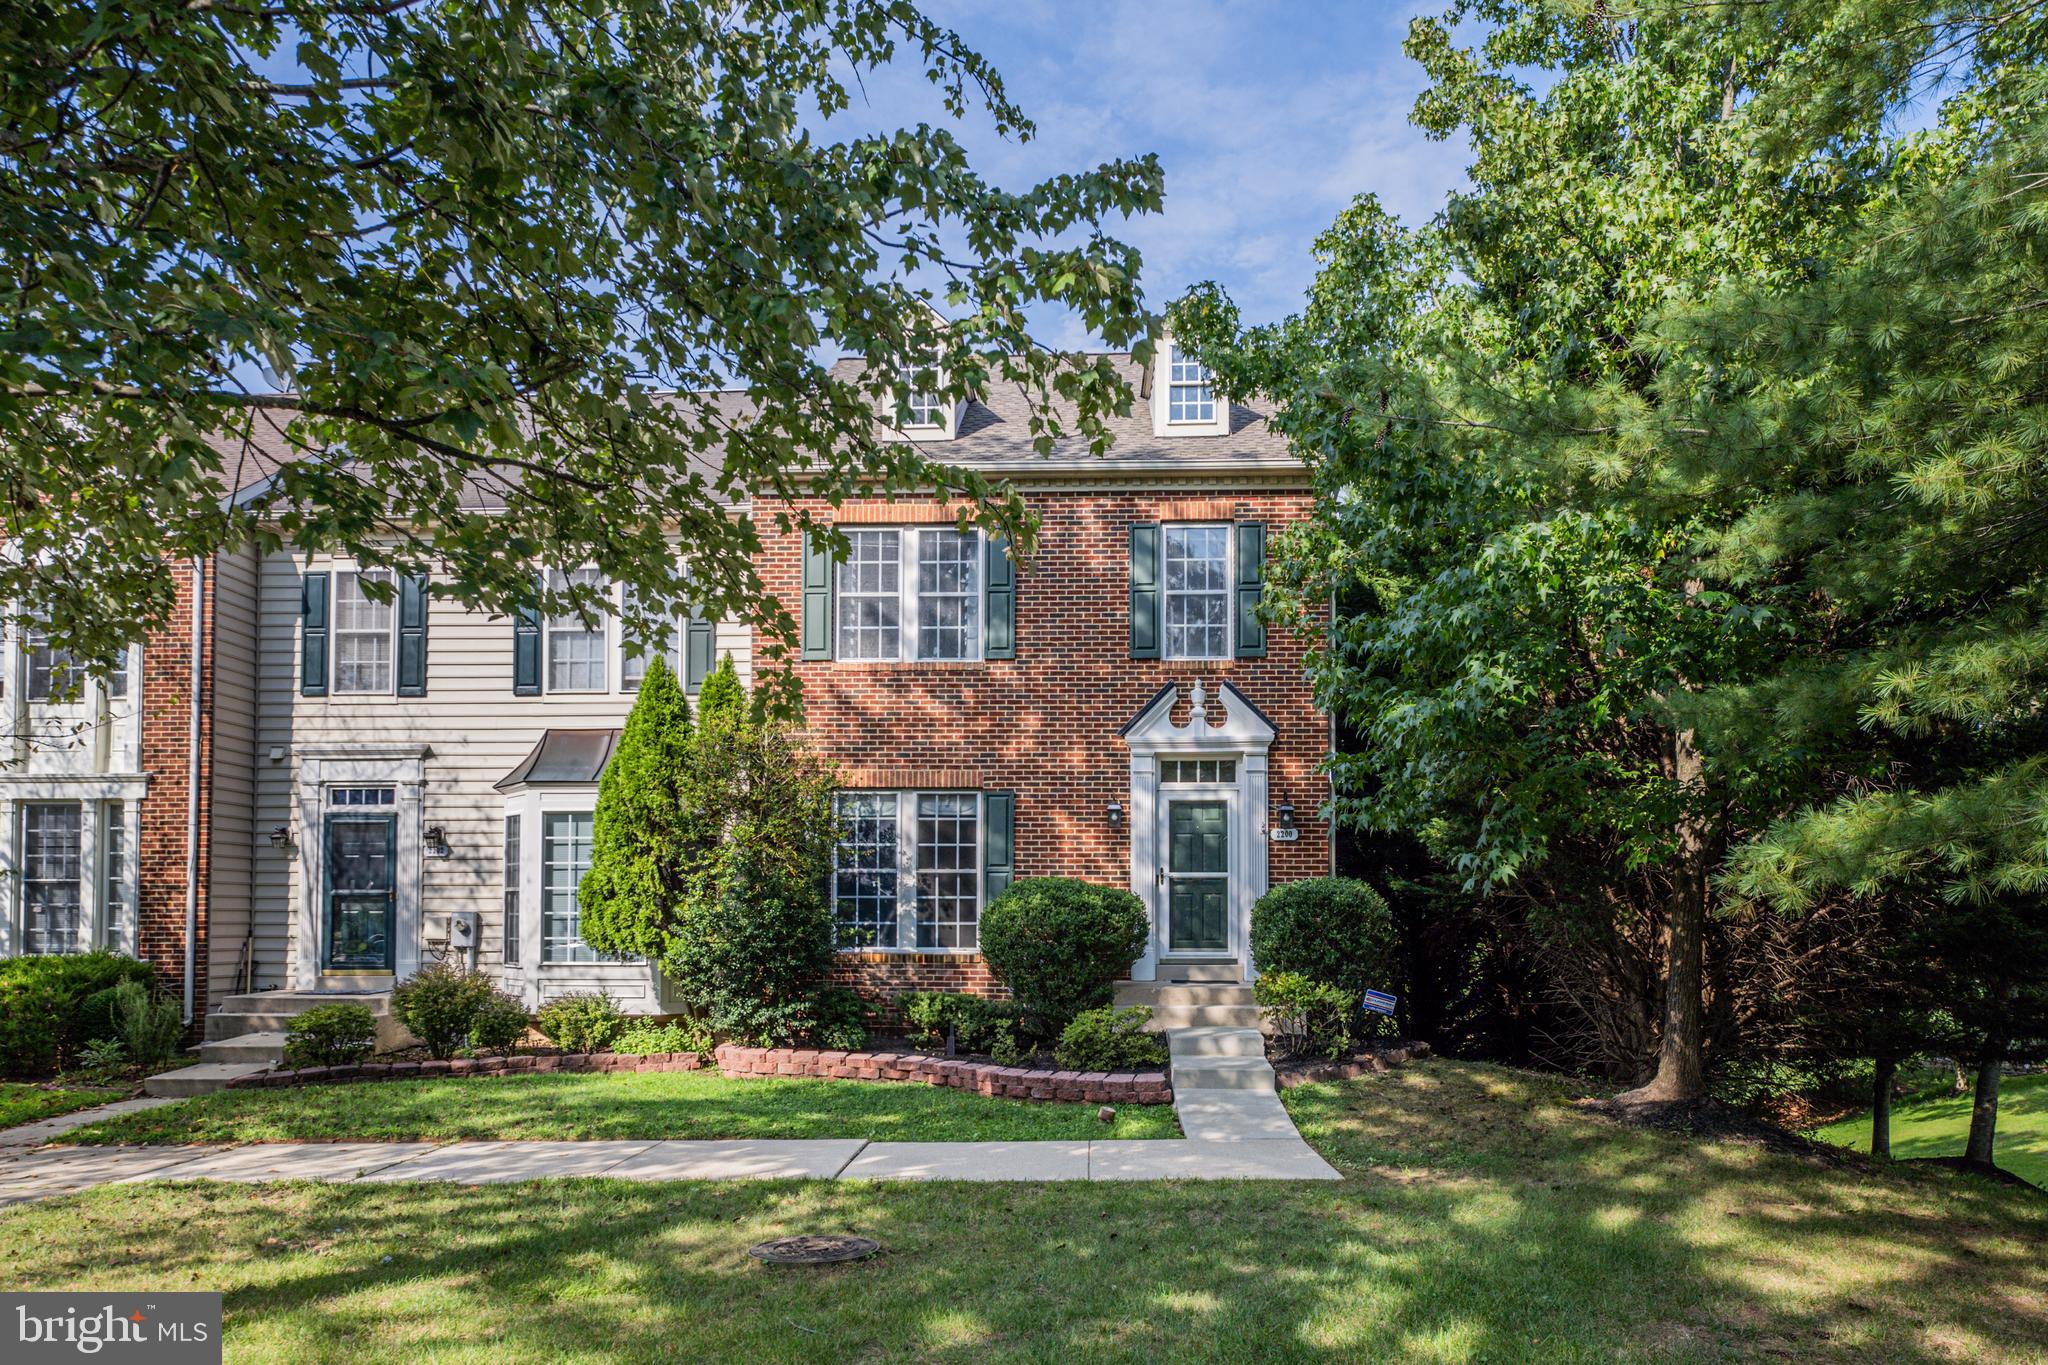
{"x":232,"y":834}
{"x":477,"y":732}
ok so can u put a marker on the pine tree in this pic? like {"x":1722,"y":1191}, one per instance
{"x":641,"y":850}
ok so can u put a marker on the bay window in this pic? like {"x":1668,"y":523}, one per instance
{"x":564,"y":858}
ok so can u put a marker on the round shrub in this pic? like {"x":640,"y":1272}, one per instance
{"x":1060,"y":945}
{"x":340,"y":1034}
{"x":52,"y":1006}
{"x":1333,"y":930}
{"x":580,"y":1023}
{"x":440,"y":1004}
{"x":499,"y":1023}
{"x":1110,"y":1040}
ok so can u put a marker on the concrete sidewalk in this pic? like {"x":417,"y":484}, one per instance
{"x":36,"y":1174}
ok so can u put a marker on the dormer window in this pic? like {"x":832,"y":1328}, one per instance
{"x":1190,"y":395}
{"x":926,"y":409}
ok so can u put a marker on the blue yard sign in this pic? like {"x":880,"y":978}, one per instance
{"x":1379,"y":1002}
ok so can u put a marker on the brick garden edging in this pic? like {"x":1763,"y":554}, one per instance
{"x":982,"y":1078}
{"x":469,"y":1066}
{"x":1380,"y":1059}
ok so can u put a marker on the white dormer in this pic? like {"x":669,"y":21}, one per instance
{"x":931,"y":418}
{"x":1184,"y":397}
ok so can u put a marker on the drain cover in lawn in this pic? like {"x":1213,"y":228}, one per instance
{"x":813,"y":1249}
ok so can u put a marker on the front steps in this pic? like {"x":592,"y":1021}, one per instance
{"x":1224,"y":1090}
{"x":1193,"y":1004}
{"x":246,"y":1034}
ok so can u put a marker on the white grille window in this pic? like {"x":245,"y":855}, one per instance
{"x":907,"y":872}
{"x":50,"y":673}
{"x":52,"y":907}
{"x":870,"y":596}
{"x":1190,"y":394}
{"x":117,"y":874}
{"x":575,"y":650}
{"x":948,"y":860}
{"x":948,"y":594}
{"x":1194,"y":771}
{"x":564,"y":858}
{"x":1197,"y":592}
{"x":365,"y":633}
{"x":634,"y":653}
{"x":511,"y":953}
{"x":864,"y":900}
{"x":926,"y":410}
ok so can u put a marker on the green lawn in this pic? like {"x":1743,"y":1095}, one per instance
{"x":1482,"y":1218}
{"x":631,"y":1104}
{"x":1938,"y":1124}
{"x":23,"y":1103}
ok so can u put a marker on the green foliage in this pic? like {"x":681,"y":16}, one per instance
{"x":1307,"y":1015}
{"x":640,"y":855}
{"x":584,"y":1022}
{"x":439,"y":1004}
{"x":977,"y":1023}
{"x":1332,"y":929}
{"x":103,"y":1058}
{"x":338,"y":1034}
{"x":643,"y":1038}
{"x":52,"y":1006}
{"x":1060,"y":945}
{"x":499,"y":1024}
{"x":150,"y":1026}
{"x":586,"y":171}
{"x":755,"y":944}
{"x":839,"y":1019}
{"x":1110,"y":1040}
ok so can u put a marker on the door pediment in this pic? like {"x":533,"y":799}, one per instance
{"x":1243,"y":728}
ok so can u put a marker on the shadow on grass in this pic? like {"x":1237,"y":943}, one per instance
{"x":1481,"y":1219}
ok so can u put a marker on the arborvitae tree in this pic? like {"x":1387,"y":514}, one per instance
{"x":641,"y":849}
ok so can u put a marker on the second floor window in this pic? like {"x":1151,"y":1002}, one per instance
{"x":1190,"y":395}
{"x":365,"y":631}
{"x":575,"y":648}
{"x":910,"y":594}
{"x":52,"y":676}
{"x":1196,"y":596}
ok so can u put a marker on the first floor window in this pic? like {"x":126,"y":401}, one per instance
{"x":365,"y":633}
{"x":908,"y":870}
{"x":52,"y":908}
{"x":511,"y":889}
{"x":1197,"y":592}
{"x":564,"y":858}
{"x":116,"y":876}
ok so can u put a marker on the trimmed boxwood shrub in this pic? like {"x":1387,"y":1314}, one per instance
{"x":580,"y":1023}
{"x":1060,"y":945}
{"x":340,"y":1034}
{"x":1333,"y":930}
{"x":499,"y":1023}
{"x":1110,"y":1040}
{"x":440,"y":1004}
{"x":51,"y":1007}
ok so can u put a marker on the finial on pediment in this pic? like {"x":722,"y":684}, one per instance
{"x":1198,"y":713}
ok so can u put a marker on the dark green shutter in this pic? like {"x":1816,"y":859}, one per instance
{"x":412,"y":637}
{"x":526,"y":651}
{"x":1251,"y":587}
{"x":700,"y":646}
{"x":1145,"y":590}
{"x":817,"y":625}
{"x":313,"y":635}
{"x":999,"y":631}
{"x":998,"y":842}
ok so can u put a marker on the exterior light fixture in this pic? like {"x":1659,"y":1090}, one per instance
{"x":436,"y":841}
{"x":1116,"y":816}
{"x":1286,"y":815}
{"x":280,"y":836}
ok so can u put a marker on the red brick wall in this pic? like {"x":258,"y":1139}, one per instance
{"x":166,"y":757}
{"x":1044,"y":724}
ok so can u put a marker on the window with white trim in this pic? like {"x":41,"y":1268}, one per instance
{"x":575,"y":648}
{"x":926,"y":409}
{"x":1190,"y":389}
{"x":52,"y":878}
{"x":117,"y":873}
{"x":927,"y":576}
{"x":564,"y":858}
{"x":50,"y":671}
{"x":907,"y":871}
{"x":634,"y":653}
{"x":1189,"y":772}
{"x":511,"y":929}
{"x":1196,"y":592}
{"x":579,"y":657}
{"x":365,"y":633}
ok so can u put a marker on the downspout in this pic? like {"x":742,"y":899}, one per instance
{"x":192,"y":773}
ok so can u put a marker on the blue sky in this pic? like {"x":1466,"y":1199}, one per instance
{"x":1268,"y":117}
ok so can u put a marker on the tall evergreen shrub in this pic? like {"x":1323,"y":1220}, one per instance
{"x":643,"y":843}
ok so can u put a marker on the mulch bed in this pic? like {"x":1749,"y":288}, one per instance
{"x":1718,"y":1122}
{"x":1289,"y":1072}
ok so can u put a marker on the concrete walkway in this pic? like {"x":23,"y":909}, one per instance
{"x":40,"y":1132}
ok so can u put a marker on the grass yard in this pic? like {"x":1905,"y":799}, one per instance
{"x":24,"y":1103}
{"x":1482,"y":1218}
{"x":629,"y":1104}
{"x":1936,"y":1125}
